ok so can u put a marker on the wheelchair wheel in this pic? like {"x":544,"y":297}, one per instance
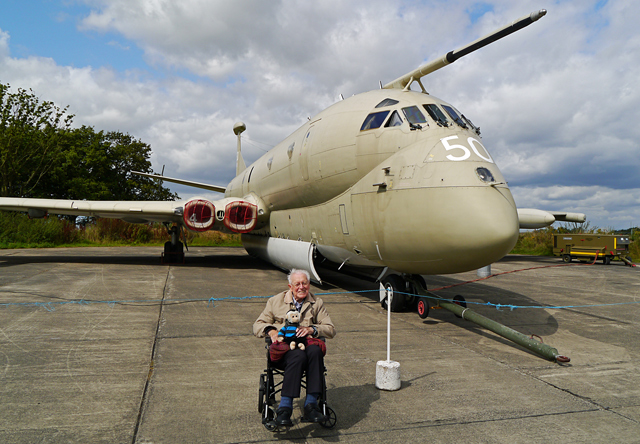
{"x":331,"y":422}
{"x":262,"y":389}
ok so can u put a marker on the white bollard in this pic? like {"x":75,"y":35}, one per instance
{"x":484,"y":271}
{"x":388,"y":375}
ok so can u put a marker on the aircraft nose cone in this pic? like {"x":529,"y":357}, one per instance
{"x":455,"y":230}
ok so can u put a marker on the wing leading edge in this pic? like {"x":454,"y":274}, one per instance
{"x":228,"y":214}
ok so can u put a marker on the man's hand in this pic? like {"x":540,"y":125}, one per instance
{"x":302,"y":332}
{"x":274,"y":335}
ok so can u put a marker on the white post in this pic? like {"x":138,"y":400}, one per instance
{"x":388,"y":372}
{"x":388,"y":327}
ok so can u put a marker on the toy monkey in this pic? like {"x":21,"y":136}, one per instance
{"x":288,"y":332}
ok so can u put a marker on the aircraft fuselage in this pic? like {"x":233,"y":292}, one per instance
{"x":376,"y":180}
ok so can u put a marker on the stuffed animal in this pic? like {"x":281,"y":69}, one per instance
{"x":288,"y":332}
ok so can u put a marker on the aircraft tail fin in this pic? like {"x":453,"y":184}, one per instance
{"x":189,"y":183}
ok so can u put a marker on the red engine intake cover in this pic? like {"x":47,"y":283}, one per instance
{"x":199,"y":215}
{"x":240,"y":216}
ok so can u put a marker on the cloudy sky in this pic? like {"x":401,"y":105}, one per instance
{"x":558,"y":102}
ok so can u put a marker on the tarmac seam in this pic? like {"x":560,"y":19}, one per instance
{"x":152,"y":361}
{"x":412,"y":426}
{"x":587,"y":400}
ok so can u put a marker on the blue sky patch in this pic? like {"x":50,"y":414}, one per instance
{"x":478,"y":10}
{"x":53,"y":32}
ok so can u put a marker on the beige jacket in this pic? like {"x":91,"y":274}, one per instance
{"x":312,"y":313}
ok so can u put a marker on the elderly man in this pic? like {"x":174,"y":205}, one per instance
{"x":314,"y":322}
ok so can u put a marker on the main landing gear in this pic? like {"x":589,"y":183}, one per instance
{"x":173,"y":249}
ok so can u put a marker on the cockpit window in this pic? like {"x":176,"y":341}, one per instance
{"x":436,"y":114}
{"x":374,"y":120}
{"x":394,"y":120}
{"x":485,"y":175}
{"x":413,"y":115}
{"x":386,"y":102}
{"x":470,"y":123}
{"x":454,"y":115}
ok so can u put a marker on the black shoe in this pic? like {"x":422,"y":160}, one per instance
{"x":312,"y":413}
{"x":284,"y":416}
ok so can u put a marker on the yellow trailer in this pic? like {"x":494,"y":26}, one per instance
{"x":591,"y":246}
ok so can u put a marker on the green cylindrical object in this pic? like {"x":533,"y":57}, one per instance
{"x":506,"y":332}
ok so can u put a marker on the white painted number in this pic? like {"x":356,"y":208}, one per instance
{"x":473,"y":143}
{"x":447,"y":146}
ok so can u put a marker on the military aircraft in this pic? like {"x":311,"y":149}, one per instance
{"x":394,"y":182}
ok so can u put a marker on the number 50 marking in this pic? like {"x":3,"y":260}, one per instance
{"x":466,"y":153}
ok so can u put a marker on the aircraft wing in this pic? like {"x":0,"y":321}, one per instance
{"x":197,"y":214}
{"x":130,"y":211}
{"x":531,"y":218}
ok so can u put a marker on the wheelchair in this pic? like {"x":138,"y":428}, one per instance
{"x":268,"y":389}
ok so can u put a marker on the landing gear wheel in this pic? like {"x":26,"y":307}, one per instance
{"x":394,"y":286}
{"x":566,"y":258}
{"x":332,"y":418}
{"x":423,"y":308}
{"x":459,"y":300}
{"x":420,"y":280}
{"x":412,"y":299}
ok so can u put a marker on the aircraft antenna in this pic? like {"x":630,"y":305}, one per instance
{"x":238,"y":129}
{"x":406,"y":80}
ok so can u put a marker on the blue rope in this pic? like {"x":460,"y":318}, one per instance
{"x":513,"y":307}
{"x":50,"y":306}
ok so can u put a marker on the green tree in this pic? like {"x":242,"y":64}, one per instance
{"x":97,"y":166}
{"x":41,"y":156}
{"x":29,"y":139}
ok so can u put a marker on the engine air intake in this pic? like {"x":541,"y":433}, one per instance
{"x":240,"y":217}
{"x":199,"y":215}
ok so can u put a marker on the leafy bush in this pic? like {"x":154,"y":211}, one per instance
{"x":18,"y":231}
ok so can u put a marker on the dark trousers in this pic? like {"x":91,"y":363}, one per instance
{"x":294,"y":363}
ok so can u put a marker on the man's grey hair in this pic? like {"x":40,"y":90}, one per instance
{"x":298,"y":271}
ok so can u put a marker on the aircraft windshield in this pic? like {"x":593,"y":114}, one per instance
{"x":413,"y":115}
{"x":374,"y":120}
{"x":436,"y":114}
{"x":454,"y":115}
{"x":394,"y":120}
{"x":470,"y":123}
